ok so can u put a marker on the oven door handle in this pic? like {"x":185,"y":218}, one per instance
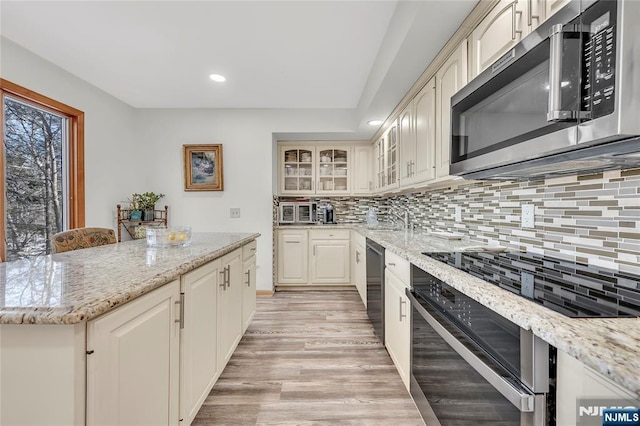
{"x":523,"y":401}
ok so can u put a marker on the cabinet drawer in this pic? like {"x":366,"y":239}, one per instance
{"x":330,"y":234}
{"x":399,"y":266}
{"x":249,"y":249}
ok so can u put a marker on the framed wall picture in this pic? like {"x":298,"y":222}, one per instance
{"x":203,"y":167}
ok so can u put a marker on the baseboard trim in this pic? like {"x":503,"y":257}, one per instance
{"x":315,"y":288}
{"x":264,"y":293}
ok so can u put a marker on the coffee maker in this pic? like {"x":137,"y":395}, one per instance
{"x":328,"y":214}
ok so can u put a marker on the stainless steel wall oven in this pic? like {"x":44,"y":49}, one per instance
{"x":470,"y":365}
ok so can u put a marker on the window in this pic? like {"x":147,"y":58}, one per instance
{"x":42,"y":173}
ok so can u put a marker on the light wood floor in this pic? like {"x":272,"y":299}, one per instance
{"x":310,"y":358}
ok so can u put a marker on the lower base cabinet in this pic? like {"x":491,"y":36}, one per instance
{"x":580,"y":386}
{"x":360,"y":265}
{"x":397,"y":313}
{"x":248,"y":284}
{"x":154,"y":360}
{"x":229,"y":307}
{"x":133,"y":361}
{"x":199,"y":339}
{"x":317,"y":257}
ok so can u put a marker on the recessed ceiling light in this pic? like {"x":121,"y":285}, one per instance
{"x":217,"y":78}
{"x":375,"y":122}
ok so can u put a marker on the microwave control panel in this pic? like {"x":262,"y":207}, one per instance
{"x":599,"y":59}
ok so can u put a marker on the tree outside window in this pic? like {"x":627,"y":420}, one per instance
{"x":42,"y":172}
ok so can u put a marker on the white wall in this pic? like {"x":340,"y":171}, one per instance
{"x":110,"y":171}
{"x":248,"y":164}
{"x":137,"y":150}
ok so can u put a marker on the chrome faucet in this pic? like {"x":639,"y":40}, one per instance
{"x":404,"y":218}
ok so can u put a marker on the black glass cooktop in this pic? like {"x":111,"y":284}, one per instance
{"x":568,"y":287}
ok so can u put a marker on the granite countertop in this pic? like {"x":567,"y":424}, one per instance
{"x":76,"y":286}
{"x":610,"y":346}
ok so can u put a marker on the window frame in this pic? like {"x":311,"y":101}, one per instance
{"x":75,"y":160}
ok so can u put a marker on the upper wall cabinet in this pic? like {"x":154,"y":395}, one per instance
{"x":362,"y":176}
{"x":386,"y":159}
{"x":318,"y":169}
{"x":449,"y":79}
{"x":417,"y":137}
{"x":502,"y":29}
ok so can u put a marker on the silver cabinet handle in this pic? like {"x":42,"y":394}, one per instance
{"x":248,"y":277}
{"x":391,"y":264}
{"x":514,"y":13}
{"x":224,"y":278}
{"x":180,"y":319}
{"x":357,"y":256}
{"x":253,"y":249}
{"x":292,"y":242}
{"x":402,"y":302}
{"x":228,"y":275}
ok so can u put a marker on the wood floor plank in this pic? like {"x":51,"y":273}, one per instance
{"x":310,"y":358}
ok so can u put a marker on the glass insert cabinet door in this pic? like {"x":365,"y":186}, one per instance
{"x":333,"y":170}
{"x":297,"y":172}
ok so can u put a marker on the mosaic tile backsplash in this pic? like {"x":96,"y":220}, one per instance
{"x":590,"y":218}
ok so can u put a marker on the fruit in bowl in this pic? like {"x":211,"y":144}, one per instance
{"x":172,"y":236}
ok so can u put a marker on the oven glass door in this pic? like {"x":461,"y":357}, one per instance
{"x":305,"y":213}
{"x":287,"y":213}
{"x":456,"y":386}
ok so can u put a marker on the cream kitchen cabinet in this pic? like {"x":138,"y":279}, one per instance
{"x":507,"y":23}
{"x":397,"y":321}
{"x":418,"y":137}
{"x":552,"y":6}
{"x":359,"y":264}
{"x":297,"y":169}
{"x":229,"y":312}
{"x":386,"y":160}
{"x":249,"y":284}
{"x":449,"y":79}
{"x":324,"y":169}
{"x":293,"y":256}
{"x":199,"y":367}
{"x":314,"y":257}
{"x":406,"y":143}
{"x":133,"y":361}
{"x":577,"y":382}
{"x":333,"y":170}
{"x":362,"y":176}
{"x":330,"y":256}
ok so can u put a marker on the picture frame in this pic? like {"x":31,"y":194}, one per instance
{"x":203,"y":167}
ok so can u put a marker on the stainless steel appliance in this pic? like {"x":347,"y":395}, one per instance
{"x":564,"y":100}
{"x":469,"y":365}
{"x":467,"y":358}
{"x":298,"y":212}
{"x":375,"y":286}
{"x":328,"y":214}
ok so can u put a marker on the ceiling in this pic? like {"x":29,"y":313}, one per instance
{"x":360,"y":56}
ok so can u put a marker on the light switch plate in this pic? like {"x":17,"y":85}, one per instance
{"x":234,"y":213}
{"x":528,"y":215}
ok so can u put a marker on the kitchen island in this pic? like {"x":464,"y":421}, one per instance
{"x":56,"y":310}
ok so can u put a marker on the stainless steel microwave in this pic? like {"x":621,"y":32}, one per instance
{"x":298,"y":212}
{"x":566,"y":99}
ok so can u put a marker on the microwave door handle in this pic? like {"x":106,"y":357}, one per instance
{"x":554,"y":112}
{"x":556,"y":45}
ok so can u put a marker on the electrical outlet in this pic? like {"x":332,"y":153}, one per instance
{"x":235,"y":213}
{"x":527,"y":285}
{"x":528,"y":216}
{"x":457,"y":214}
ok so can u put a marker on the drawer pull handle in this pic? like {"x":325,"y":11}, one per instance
{"x":402,"y":302}
{"x":392,"y":264}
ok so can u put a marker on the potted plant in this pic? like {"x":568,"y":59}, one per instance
{"x":134,"y":205}
{"x":147,"y":203}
